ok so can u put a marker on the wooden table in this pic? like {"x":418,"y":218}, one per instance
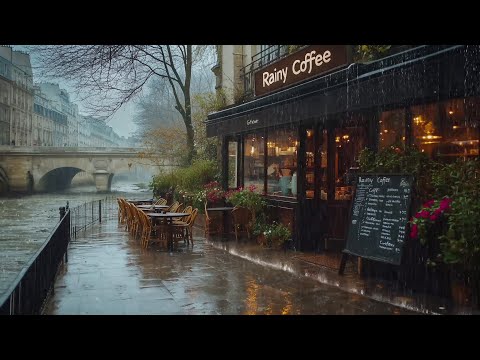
{"x":155,"y":207}
{"x":137,"y":202}
{"x":169,"y":217}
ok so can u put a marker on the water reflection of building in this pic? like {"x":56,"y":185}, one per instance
{"x":295,"y":123}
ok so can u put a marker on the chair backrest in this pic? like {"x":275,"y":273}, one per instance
{"x":192,"y":217}
{"x":179,"y":209}
{"x":173,"y":207}
{"x":161,"y":201}
{"x":241,"y":215}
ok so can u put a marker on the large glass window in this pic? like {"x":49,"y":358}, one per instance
{"x":392,"y":128}
{"x":349,"y":141}
{"x":323,"y":165}
{"x":282,"y":148}
{"x":447,"y":130}
{"x":232,"y":164}
{"x":309,"y":165}
{"x":254,"y":161}
{"x":426,"y":132}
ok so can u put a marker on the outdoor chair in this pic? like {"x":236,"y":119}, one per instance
{"x":161,"y":201}
{"x":212,"y":224}
{"x":242,"y":221}
{"x":184,"y":229}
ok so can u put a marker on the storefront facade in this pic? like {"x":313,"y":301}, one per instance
{"x":298,"y":142}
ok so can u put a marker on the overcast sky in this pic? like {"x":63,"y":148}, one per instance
{"x":121,"y":121}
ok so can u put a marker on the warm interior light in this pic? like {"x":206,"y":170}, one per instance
{"x":403,"y":138}
{"x":252,"y":150}
{"x":345,"y":137}
{"x":385,"y":131}
{"x":418,"y":120}
{"x":337,"y":139}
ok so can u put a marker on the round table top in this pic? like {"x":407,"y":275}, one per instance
{"x":168,"y":214}
{"x":140,"y":201}
{"x":155,"y":206}
{"x":220,"y":208}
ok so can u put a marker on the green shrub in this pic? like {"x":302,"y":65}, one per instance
{"x":189,"y":179}
{"x":395,"y":159}
{"x":248,"y":198}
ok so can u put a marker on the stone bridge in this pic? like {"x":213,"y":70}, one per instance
{"x":53,"y":168}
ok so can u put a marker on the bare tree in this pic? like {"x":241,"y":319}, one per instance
{"x":107,"y":76}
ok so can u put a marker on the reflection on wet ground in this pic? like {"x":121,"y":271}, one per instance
{"x":109,"y":273}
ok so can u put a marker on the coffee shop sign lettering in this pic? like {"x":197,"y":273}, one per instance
{"x":298,"y":66}
{"x":252,"y":121}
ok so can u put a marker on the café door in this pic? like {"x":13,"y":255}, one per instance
{"x":329,"y":159}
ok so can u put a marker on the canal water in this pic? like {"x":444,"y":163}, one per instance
{"x":27,"y":221}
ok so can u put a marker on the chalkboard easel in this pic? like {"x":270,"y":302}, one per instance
{"x":378,"y":218}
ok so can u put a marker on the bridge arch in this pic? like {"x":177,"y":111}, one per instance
{"x":54,"y":168}
{"x":56,"y":179}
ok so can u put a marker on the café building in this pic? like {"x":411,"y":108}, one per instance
{"x":299,"y":137}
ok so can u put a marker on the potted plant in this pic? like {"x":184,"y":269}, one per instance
{"x":214,"y":194}
{"x":258,"y":230}
{"x":450,"y":227}
{"x":276,"y":235}
{"x":250,"y":199}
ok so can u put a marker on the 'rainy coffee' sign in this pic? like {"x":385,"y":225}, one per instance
{"x":379,"y":217}
{"x":309,"y":62}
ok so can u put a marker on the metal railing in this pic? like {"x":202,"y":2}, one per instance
{"x":31,"y":287}
{"x":87,"y":214}
{"x":27,"y":294}
{"x":259,"y":60}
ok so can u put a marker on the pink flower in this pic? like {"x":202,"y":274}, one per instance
{"x":414,"y":231}
{"x":445,"y":204}
{"x":424,"y":214}
{"x":429,"y":204}
{"x":433,"y":217}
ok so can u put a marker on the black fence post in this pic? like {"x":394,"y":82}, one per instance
{"x":100,"y":211}
{"x":62,"y":212}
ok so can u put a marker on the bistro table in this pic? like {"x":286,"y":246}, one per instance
{"x":139,"y":202}
{"x":152,"y":207}
{"x":224,"y":218}
{"x":169,"y":217}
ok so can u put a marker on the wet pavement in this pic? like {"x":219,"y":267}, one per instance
{"x":109,"y":273}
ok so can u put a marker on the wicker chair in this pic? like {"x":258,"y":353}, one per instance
{"x":184,"y":229}
{"x":161,"y":201}
{"x":212,"y":224}
{"x":242,"y":221}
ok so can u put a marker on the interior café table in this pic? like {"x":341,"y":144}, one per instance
{"x":168,"y":216}
{"x":156,"y":208}
{"x":225,"y":218}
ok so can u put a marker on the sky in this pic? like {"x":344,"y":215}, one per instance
{"x":121,"y":121}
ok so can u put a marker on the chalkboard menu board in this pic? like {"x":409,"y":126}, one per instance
{"x":379,"y":216}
